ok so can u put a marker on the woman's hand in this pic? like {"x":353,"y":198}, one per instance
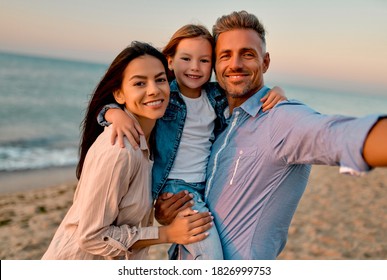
{"x":123,"y":125}
{"x":189,"y":226}
{"x":275,"y":95}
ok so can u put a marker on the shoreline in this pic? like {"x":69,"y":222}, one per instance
{"x":17,"y":181}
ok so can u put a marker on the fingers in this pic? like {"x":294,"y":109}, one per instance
{"x":198,"y":237}
{"x":113,"y":137}
{"x":167,"y":206}
{"x":187,"y":212}
{"x":165,"y":196}
{"x":200,"y":223}
{"x":132,"y":137}
{"x":119,"y":135}
{"x":120,"y":138}
{"x":178,"y":202}
{"x":138,"y":129}
{"x":270,"y":103}
{"x":263,"y":99}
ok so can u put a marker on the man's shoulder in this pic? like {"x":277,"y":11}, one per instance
{"x":292,"y":105}
{"x":290,"y":111}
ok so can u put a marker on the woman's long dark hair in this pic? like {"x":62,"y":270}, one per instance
{"x":103,"y":94}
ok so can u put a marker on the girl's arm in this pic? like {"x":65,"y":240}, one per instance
{"x":275,"y":95}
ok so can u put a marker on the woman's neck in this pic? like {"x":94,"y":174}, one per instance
{"x":147,"y":126}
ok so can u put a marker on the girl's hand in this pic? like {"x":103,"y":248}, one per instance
{"x":275,"y":95}
{"x":189,"y":226}
{"x":123,"y":125}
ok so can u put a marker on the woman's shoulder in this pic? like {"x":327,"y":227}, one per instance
{"x":104,"y":145}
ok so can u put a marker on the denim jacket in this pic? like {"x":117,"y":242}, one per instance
{"x":169,"y":129}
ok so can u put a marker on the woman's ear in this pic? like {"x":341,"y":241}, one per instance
{"x":119,"y":96}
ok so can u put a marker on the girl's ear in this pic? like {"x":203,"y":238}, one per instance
{"x":170,"y":61}
{"x":119,"y":96}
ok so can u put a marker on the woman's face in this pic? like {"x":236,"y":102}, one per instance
{"x":145,"y":88}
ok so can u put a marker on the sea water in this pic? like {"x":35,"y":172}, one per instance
{"x":42,"y":104}
{"x":43,"y":101}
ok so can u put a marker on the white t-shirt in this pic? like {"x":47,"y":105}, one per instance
{"x":195,"y":146}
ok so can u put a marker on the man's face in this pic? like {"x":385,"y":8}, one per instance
{"x":240,"y":63}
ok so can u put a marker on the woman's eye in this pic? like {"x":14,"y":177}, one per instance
{"x":161,"y":80}
{"x":139,"y":84}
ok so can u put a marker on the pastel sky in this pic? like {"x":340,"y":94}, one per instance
{"x":339,"y":44}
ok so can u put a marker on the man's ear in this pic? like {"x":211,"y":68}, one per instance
{"x":266,"y":62}
{"x":119,"y":96}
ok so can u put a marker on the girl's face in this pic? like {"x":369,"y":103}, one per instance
{"x":192,"y":64}
{"x":145,"y":88}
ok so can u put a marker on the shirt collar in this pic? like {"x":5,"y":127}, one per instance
{"x":173,"y":86}
{"x":253,"y":105}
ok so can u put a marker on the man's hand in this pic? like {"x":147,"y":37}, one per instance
{"x":168,"y":205}
{"x":375,"y":146}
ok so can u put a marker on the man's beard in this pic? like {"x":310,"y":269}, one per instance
{"x":247,"y":91}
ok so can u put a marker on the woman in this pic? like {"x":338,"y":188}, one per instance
{"x":111,"y":216}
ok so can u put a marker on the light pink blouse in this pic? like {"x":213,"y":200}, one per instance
{"x":112,"y":207}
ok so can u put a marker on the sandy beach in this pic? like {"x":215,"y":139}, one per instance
{"x":339,"y":217}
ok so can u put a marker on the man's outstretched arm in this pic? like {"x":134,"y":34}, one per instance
{"x":375,"y":145}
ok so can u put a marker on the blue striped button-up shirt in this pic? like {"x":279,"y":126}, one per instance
{"x":260,"y":165}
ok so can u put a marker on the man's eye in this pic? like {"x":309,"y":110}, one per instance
{"x":248,"y":55}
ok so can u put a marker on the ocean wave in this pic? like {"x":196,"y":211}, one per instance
{"x":17,"y":158}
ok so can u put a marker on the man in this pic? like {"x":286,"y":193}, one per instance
{"x":260,"y":163}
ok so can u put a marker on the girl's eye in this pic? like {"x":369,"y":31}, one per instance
{"x":205,"y":61}
{"x":185,"y":58}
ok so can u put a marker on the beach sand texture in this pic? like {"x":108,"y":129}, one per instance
{"x":339,"y":217}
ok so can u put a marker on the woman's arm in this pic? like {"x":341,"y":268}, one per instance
{"x":189,"y":226}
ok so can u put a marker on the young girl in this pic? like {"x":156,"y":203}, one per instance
{"x":185,"y":133}
{"x":111,"y":216}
